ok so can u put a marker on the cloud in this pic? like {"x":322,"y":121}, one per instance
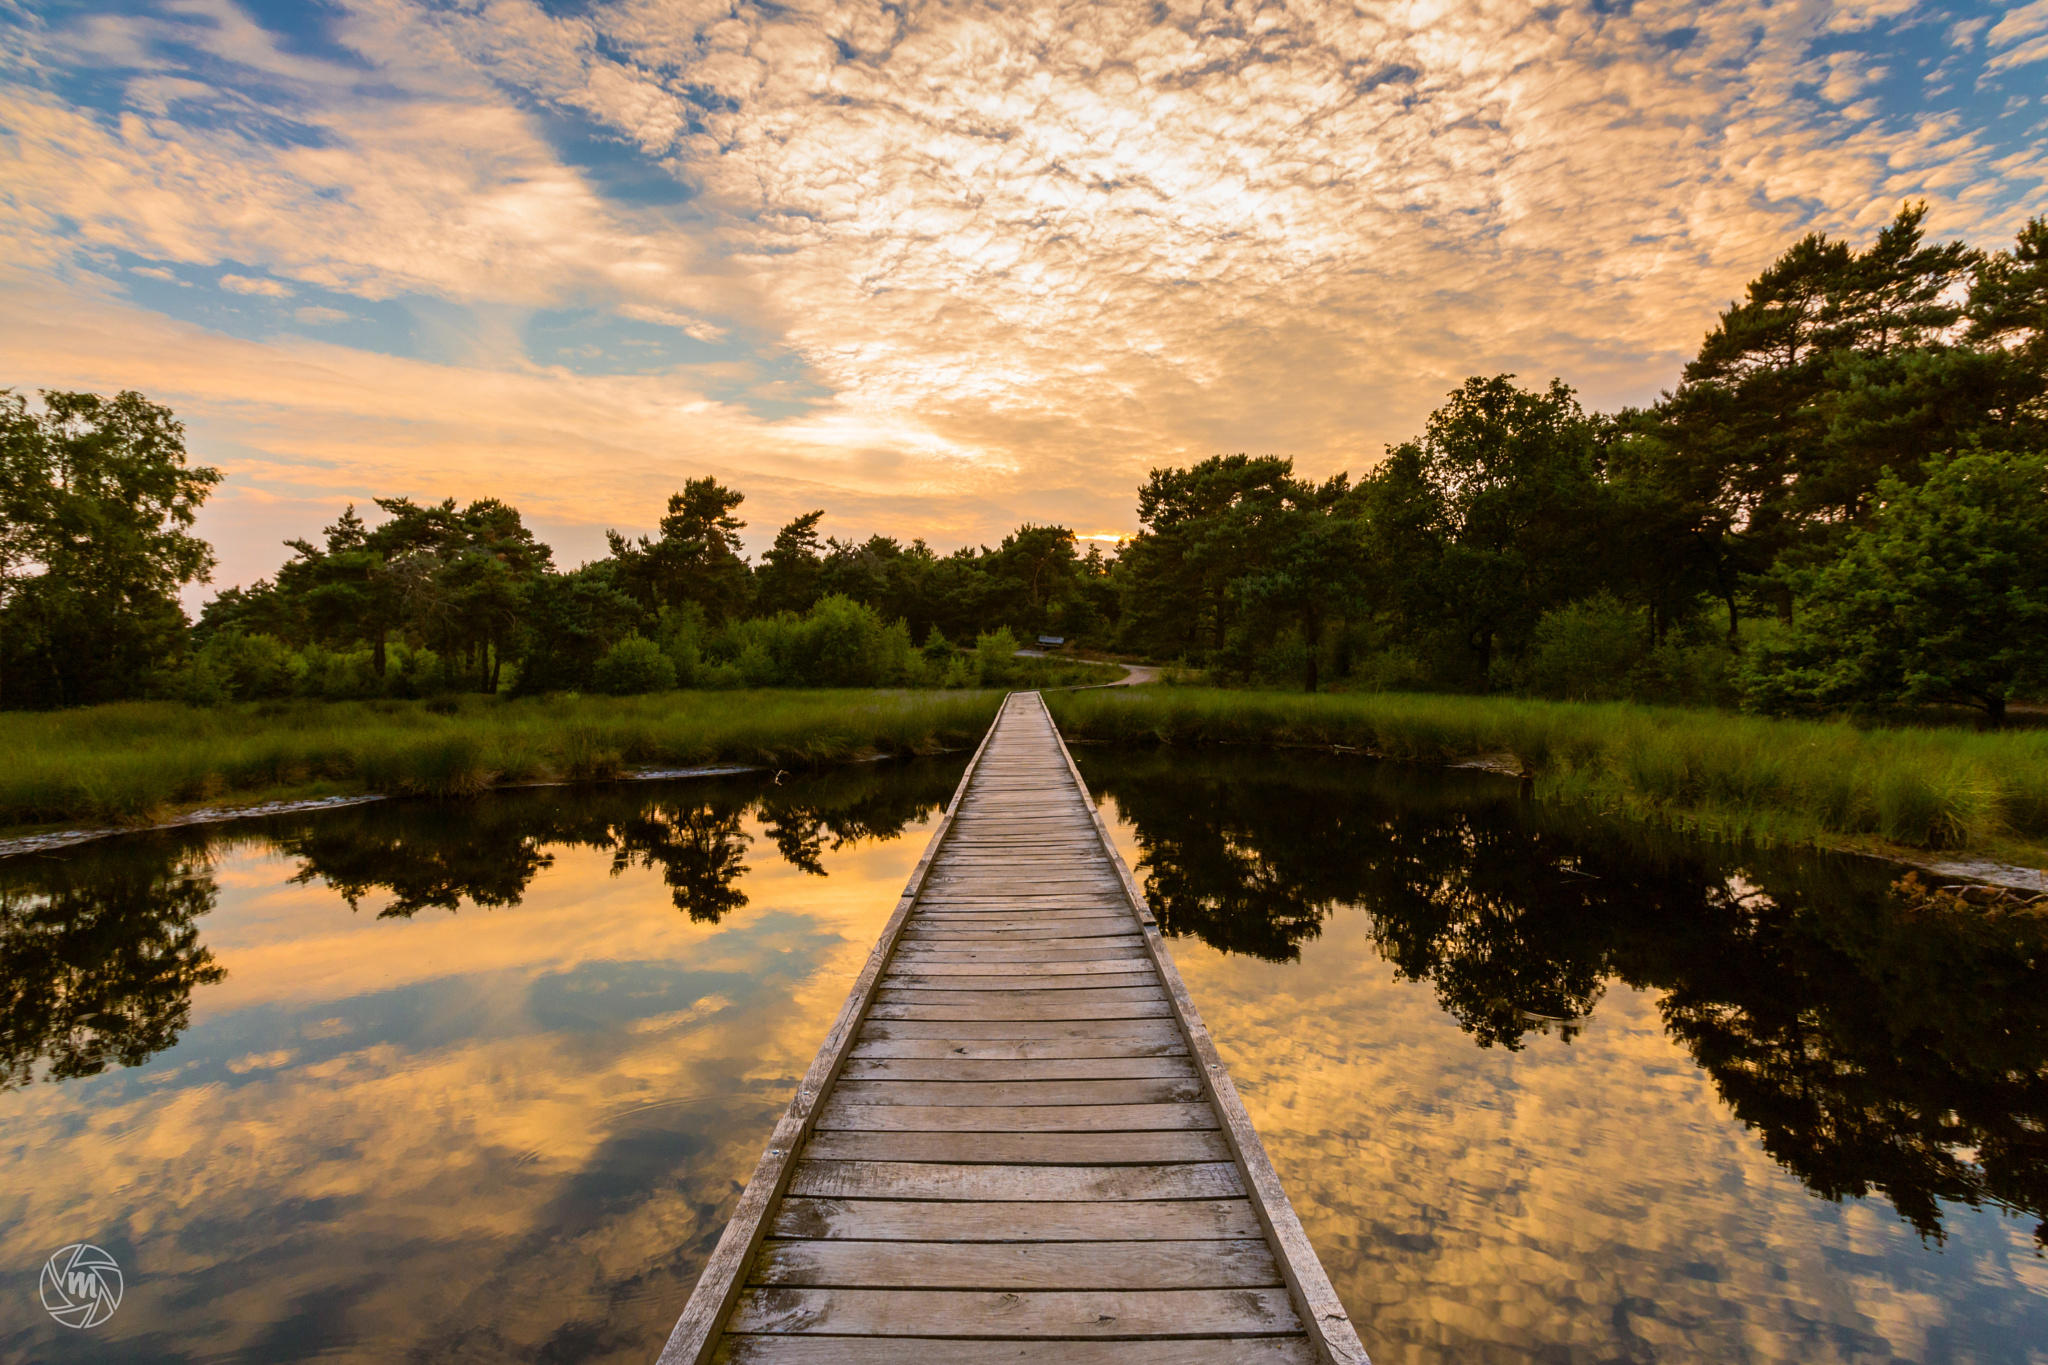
{"x":245,"y":284}
{"x":1034,"y":252}
{"x":317,"y":315}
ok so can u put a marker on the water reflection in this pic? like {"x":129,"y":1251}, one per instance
{"x":437,"y":856}
{"x":312,"y":1112}
{"x":99,"y":956}
{"x":1867,"y":1045}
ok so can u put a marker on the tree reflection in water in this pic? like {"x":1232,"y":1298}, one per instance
{"x":438,"y":854}
{"x":1871,"y":1044}
{"x":100,"y":948}
{"x":99,"y":954}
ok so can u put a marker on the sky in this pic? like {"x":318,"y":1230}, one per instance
{"x":936,"y":268}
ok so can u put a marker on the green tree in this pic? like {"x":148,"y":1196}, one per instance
{"x":1034,"y":577}
{"x":1813,"y":383}
{"x":1941,"y":597}
{"x":96,"y":508}
{"x":1519,"y":510}
{"x":791,"y":571}
{"x":1204,"y":527}
{"x":696,"y":556}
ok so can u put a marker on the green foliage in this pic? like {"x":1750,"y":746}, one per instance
{"x":1586,"y":651}
{"x":1717,"y":773}
{"x":96,"y":508}
{"x":995,"y":657}
{"x":633,"y":666}
{"x":1942,"y":596}
{"x":137,"y":760}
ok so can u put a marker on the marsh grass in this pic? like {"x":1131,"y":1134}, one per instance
{"x":138,"y":761}
{"x":1724,"y":774}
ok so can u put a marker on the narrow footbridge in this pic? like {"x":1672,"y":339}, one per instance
{"x":1017,"y":1142}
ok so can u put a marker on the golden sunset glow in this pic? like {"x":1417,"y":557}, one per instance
{"x":407,"y":1077}
{"x":939,"y":269}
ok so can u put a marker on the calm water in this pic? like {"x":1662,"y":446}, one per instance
{"x":481,"y":1081}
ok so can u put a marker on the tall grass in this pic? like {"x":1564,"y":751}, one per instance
{"x":135,"y":761}
{"x":1726,"y":774}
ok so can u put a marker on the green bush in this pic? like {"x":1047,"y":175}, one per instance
{"x":634,"y":665}
{"x":1587,"y":650}
{"x":995,"y":657}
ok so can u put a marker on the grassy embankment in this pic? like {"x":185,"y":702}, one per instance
{"x":140,"y":761}
{"x":1720,"y":774}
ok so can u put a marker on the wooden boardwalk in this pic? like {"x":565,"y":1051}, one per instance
{"x":1017,"y":1142}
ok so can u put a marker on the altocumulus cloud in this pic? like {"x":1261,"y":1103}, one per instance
{"x":937,"y":267}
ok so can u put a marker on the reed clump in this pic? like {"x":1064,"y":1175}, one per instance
{"x":1786,"y":781}
{"x":137,"y":761}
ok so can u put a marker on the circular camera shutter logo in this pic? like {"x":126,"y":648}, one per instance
{"x":81,"y":1285}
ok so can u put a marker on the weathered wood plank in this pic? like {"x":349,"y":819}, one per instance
{"x":1324,"y":1317}
{"x":905,"y":1220}
{"x":1013,"y":1118}
{"x":1094,"y":987}
{"x":1168,"y":1091}
{"x":1101,"y":1314}
{"x":1126,"y":949}
{"x":1020,"y":1010}
{"x":951,"y":1068}
{"x":939,"y":934}
{"x":982,"y":1182}
{"x":1043,"y":1149}
{"x":1020,"y":1030}
{"x":1245,"y":1263}
{"x":696,"y":1331}
{"x":924,"y":964}
{"x":1023,"y":1150}
{"x":746,"y":1349}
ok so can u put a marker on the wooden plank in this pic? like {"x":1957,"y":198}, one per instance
{"x":1167,"y":1091}
{"x":1244,"y":1263}
{"x":691,"y":1341}
{"x":1125,"y":948}
{"x":1322,"y":1312}
{"x":1102,"y":1314}
{"x":874,"y":1047}
{"x":1044,"y":1149}
{"x":1084,"y":990}
{"x":926,"y":933}
{"x":749,"y":1349}
{"x":951,"y":1068}
{"x":1022,"y":1030}
{"x":983,"y":1182}
{"x":924,"y":964}
{"x":1013,"y":1118}
{"x":1021,"y":1010}
{"x":1029,"y":1084}
{"x":904,"y":985}
{"x":909,"y":1220}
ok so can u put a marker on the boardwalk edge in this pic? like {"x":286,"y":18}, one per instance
{"x":1322,"y":1312}
{"x":695,"y":1335}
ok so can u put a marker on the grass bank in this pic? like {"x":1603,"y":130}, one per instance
{"x":139,"y":761}
{"x":1720,"y":774}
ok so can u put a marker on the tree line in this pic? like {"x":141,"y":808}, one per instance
{"x":1843,"y":503}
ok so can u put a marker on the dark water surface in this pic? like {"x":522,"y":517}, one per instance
{"x":480,"y":1081}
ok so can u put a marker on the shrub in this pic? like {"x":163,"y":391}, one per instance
{"x":634,"y":665}
{"x":1586,"y":651}
{"x":995,"y":657}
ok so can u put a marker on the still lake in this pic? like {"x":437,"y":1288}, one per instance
{"x":480,"y":1081}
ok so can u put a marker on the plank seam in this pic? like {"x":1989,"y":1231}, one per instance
{"x":695,"y":1335}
